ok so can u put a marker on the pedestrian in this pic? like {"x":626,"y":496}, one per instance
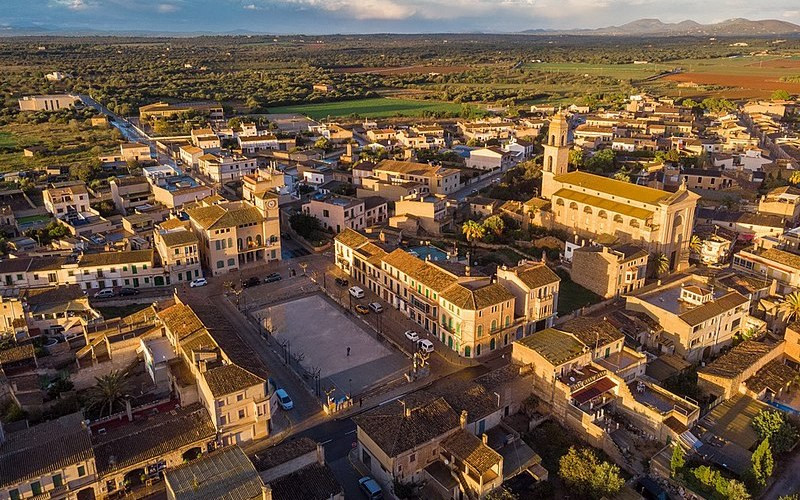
{"x":348,"y":350}
{"x":360,"y":402}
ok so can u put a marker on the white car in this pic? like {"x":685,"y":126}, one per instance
{"x":425,"y":345}
{"x":198,"y":282}
{"x":376,"y":307}
{"x":105,"y":293}
{"x":412,"y":335}
{"x":357,"y":292}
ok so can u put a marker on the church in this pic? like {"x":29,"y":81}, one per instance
{"x":601,"y":208}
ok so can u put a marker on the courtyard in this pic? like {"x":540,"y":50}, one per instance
{"x":318,"y":333}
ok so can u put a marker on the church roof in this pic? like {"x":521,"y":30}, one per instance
{"x":621,"y":189}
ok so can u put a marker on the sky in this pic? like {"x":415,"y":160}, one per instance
{"x":373,"y":16}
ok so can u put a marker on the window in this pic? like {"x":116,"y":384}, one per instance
{"x":81,"y":470}
{"x":412,"y":458}
{"x":36,"y":488}
{"x":220,"y":264}
{"x":223,"y":420}
{"x":239,"y":397}
{"x":231,"y":262}
{"x":241,"y":414}
{"x":57,"y":481}
{"x":480,"y":331}
{"x":14,"y":494}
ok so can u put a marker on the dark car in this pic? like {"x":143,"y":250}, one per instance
{"x":128,"y":291}
{"x":273,"y":278}
{"x":252,"y":281}
{"x":342,"y":282}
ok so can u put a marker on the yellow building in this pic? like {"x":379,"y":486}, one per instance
{"x":592,"y":205}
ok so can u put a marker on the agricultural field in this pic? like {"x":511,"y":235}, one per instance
{"x":379,"y":107}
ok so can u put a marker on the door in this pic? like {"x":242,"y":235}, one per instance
{"x":136,"y":282}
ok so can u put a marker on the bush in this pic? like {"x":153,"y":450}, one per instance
{"x":584,"y":473}
{"x":772,"y":425}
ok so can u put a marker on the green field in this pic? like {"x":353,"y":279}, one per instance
{"x":624,"y":71}
{"x":379,"y":107}
{"x":7,"y":140}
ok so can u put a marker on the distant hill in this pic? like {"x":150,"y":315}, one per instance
{"x":655,"y":27}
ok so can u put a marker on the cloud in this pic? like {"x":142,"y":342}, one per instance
{"x":251,"y":6}
{"x":166,"y":8}
{"x":73,"y":4}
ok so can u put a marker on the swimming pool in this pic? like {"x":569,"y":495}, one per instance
{"x":425,"y":251}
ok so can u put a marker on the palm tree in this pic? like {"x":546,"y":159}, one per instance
{"x":494,"y":224}
{"x":695,"y":244}
{"x":790,"y":306}
{"x":795,"y":178}
{"x":109,"y":390}
{"x":472,"y":231}
{"x":660,"y":264}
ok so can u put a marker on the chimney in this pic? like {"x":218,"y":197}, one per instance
{"x":202,"y":365}
{"x":129,"y":410}
{"x":485,"y":439}
{"x":320,"y":454}
{"x":350,"y":150}
{"x":462,"y":421}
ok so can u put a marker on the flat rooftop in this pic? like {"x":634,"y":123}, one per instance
{"x":667,"y":298}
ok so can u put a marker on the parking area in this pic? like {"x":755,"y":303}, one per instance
{"x":318,"y":334}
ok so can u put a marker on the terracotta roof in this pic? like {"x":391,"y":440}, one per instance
{"x":412,"y":168}
{"x":713,"y":308}
{"x":738,"y":359}
{"x":471,"y":450}
{"x":789,"y":259}
{"x":223,"y":474}
{"x":605,"y":204}
{"x":468,"y":396}
{"x":170,"y":224}
{"x":115,"y":258}
{"x":774,"y":376}
{"x":178,"y":237}
{"x":408,"y":422}
{"x":44,"y":448}
{"x":17,"y":353}
{"x":283,"y":452}
{"x":231,"y":378}
{"x":592,"y":330}
{"x":536,"y":275}
{"x":403,"y":261}
{"x":624,"y":190}
{"x":313,"y":482}
{"x":181,"y":320}
{"x":555,"y":346}
{"x":480,"y":298}
{"x":141,"y":441}
{"x":225,"y":215}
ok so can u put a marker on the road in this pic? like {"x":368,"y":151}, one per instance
{"x":788,"y":482}
{"x":467,"y":191}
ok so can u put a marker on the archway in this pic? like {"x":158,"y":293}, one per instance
{"x":492,"y":345}
{"x":134,"y":478}
{"x":86,"y":494}
{"x":467,"y":351}
{"x":191,"y":454}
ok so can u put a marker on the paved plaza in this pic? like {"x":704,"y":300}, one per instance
{"x":319,"y":332}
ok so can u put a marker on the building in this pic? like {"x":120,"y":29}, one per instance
{"x":206,"y":139}
{"x":297,"y":469}
{"x":179,"y":253}
{"x":225,"y":473}
{"x":783,"y":202}
{"x":592,"y":205}
{"x":706,"y":178}
{"x":609,"y":271}
{"x":535,"y":287}
{"x":336,"y":212}
{"x":212,"y":110}
{"x":64,"y":197}
{"x":221,"y":168}
{"x":131,"y":192}
{"x":716,"y":244}
{"x":770,"y":264}
{"x":728,"y":375}
{"x":697,"y":319}
{"x":438,"y":180}
{"x":490,"y":158}
{"x":54,"y":459}
{"x":432,"y":214}
{"x":746,"y":224}
{"x":52,"y":102}
{"x":135,"y":151}
{"x":233,"y":234}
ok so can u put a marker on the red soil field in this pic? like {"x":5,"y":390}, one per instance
{"x":748,"y":82}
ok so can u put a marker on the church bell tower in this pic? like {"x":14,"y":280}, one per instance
{"x":556,"y":153}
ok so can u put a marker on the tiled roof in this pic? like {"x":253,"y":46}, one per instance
{"x":225,"y":215}
{"x":408,"y":422}
{"x":116,"y":258}
{"x":480,"y":298}
{"x":23,"y":264}
{"x":471,"y":450}
{"x":403,"y":261}
{"x":180,"y":320}
{"x":141,"y":441}
{"x":605,"y":204}
{"x":774,"y":376}
{"x":782,"y":257}
{"x":473,"y":398}
{"x":228,"y":379}
{"x":44,"y":448}
{"x":223,"y":474}
{"x":738,"y":359}
{"x":592,"y":331}
{"x":555,"y":346}
{"x":536,"y":275}
{"x":713,"y":308}
{"x":17,"y":353}
{"x":53,"y":295}
{"x":313,"y":482}
{"x":283,"y":452}
{"x":624,"y":190}
{"x":412,"y":168}
{"x":170,"y":224}
{"x":175,"y":238}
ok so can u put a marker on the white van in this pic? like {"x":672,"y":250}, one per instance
{"x":357,"y":292}
{"x":425,"y":345}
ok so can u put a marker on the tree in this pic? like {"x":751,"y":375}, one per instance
{"x":695,"y":244}
{"x":773,"y":425}
{"x":762,"y":463}
{"x":494,"y":224}
{"x":576,"y":157}
{"x":678,"y":460}
{"x":737,"y":491}
{"x":472,"y":231}
{"x":660,"y":264}
{"x":501,"y":494}
{"x":108,"y":391}
{"x":587,"y":476}
{"x":322,"y":143}
{"x":602,"y":161}
{"x":795,"y":178}
{"x":673,"y":155}
{"x":623,"y":176}
{"x":790,"y":306}
{"x":781,"y":95}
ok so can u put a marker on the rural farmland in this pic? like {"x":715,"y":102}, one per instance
{"x":378,"y":107}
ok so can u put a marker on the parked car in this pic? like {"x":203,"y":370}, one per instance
{"x":342,"y":282}
{"x":357,"y":292}
{"x":370,"y":488}
{"x":123,"y":292}
{"x":251,"y":281}
{"x":362,"y":309}
{"x":198,"y":282}
{"x":425,"y":345}
{"x":105,"y":293}
{"x":284,"y":400}
{"x":412,"y":335}
{"x":376,"y":307}
{"x":273,"y":278}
